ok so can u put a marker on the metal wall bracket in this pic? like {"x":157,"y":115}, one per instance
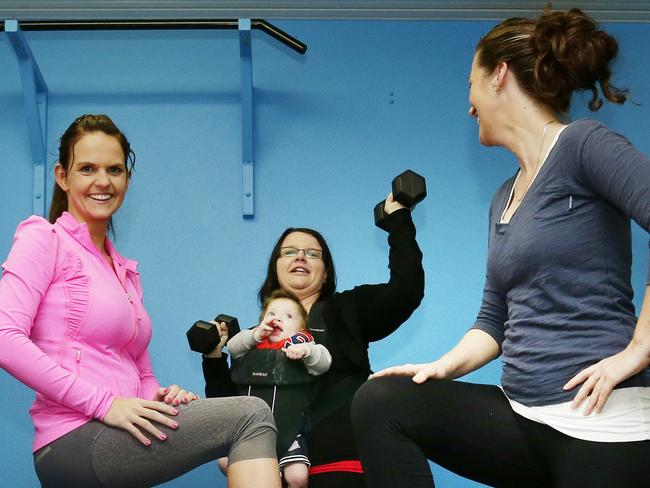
{"x":246,"y":80}
{"x":35,"y":94}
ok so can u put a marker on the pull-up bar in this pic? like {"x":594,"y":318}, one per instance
{"x":35,"y":89}
{"x":207,"y":24}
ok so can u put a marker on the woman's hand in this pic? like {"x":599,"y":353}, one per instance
{"x":391,"y":204}
{"x":136,"y":415}
{"x":475,"y":349}
{"x":175,"y":395}
{"x":598,"y":380}
{"x":420,"y":373}
{"x":296,"y":351}
{"x":223,"y":338}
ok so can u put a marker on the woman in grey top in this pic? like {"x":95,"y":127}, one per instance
{"x":574,"y":406}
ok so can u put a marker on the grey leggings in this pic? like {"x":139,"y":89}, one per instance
{"x":96,"y":455}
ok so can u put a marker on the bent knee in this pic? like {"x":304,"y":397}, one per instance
{"x":256,"y":410}
{"x":371,"y":396}
{"x":255,"y":435}
{"x":296,"y":475}
{"x":253,"y":418}
{"x":377,"y":399}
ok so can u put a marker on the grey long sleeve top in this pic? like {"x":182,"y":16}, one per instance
{"x":317,"y":362}
{"x":558,"y":294}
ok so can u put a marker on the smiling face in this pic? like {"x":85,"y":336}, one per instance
{"x":96,"y":180}
{"x":301,"y":275}
{"x":283,"y":314}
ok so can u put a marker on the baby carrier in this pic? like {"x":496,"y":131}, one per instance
{"x":283,"y":383}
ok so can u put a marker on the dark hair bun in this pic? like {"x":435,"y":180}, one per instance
{"x":574,"y":54}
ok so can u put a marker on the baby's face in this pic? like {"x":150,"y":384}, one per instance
{"x":284,"y":316}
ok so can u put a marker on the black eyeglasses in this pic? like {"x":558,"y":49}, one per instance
{"x":292,"y":252}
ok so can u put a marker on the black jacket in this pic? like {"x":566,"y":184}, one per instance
{"x":352,"y":318}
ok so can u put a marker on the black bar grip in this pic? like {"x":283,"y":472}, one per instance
{"x":120,"y":24}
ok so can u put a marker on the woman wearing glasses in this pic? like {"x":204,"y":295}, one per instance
{"x":345,"y":322}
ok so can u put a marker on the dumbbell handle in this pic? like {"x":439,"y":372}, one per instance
{"x":380,"y":214}
{"x":231,"y":322}
{"x":413,"y":195}
{"x":204,"y":336}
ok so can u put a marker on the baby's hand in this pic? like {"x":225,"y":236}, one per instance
{"x":296,"y":351}
{"x":262,"y":331}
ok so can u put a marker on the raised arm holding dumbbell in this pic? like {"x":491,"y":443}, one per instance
{"x":408,"y":189}
{"x":345,"y":322}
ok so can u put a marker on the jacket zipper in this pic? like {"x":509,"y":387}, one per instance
{"x":77,"y":358}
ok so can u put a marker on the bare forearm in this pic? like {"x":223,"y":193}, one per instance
{"x":640,"y":343}
{"x":474,"y":350}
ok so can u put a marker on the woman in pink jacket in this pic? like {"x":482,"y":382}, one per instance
{"x":73,"y":328}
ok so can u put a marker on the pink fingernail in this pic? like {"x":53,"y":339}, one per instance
{"x":174,"y":425}
{"x":163,"y":436}
{"x":174,"y":412}
{"x":147,"y":443}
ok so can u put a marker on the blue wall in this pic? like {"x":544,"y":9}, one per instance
{"x":332,"y":128}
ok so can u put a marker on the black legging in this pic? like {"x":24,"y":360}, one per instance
{"x":471,"y":430}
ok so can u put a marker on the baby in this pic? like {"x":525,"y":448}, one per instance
{"x":283,"y":326}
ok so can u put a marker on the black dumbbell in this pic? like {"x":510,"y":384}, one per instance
{"x":409,"y":188}
{"x":203,"y":336}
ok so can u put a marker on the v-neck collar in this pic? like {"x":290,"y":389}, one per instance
{"x":511,"y":194}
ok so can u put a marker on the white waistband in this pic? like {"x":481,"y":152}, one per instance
{"x":625,"y":417}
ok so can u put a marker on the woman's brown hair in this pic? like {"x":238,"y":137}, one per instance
{"x":553,"y":56}
{"x":83,"y":125}
{"x":271,"y":282}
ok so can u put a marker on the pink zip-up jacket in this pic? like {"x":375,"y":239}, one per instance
{"x":71,"y":327}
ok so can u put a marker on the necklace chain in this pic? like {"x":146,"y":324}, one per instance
{"x":539,"y":160}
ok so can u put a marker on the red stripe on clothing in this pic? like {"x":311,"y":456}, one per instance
{"x":350,"y":466}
